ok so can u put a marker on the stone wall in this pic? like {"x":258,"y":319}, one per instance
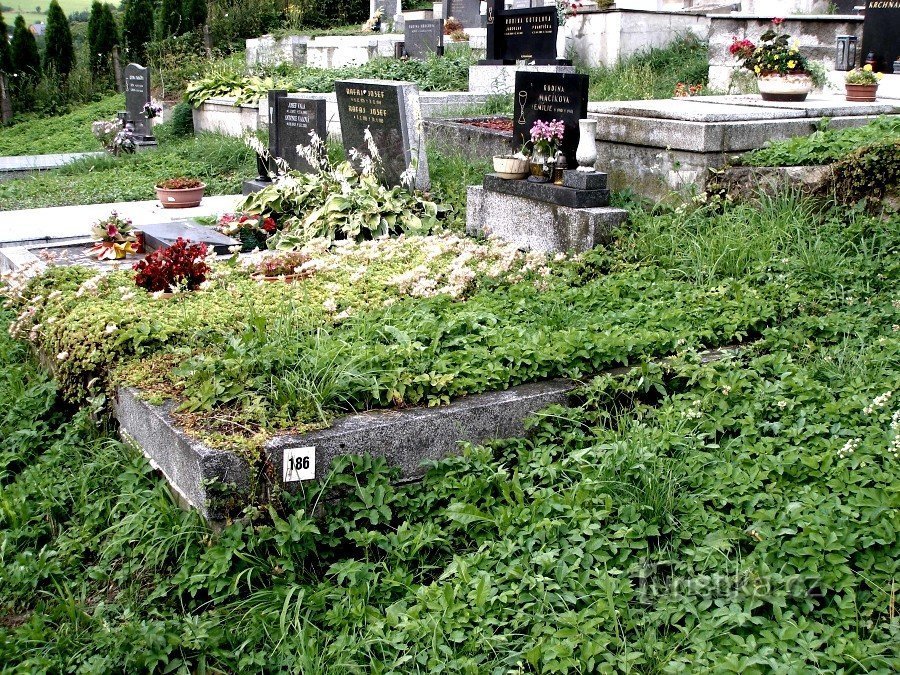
{"x":817,"y":35}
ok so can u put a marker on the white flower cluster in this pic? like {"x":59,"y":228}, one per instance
{"x":849,"y":448}
{"x":878,"y":402}
{"x":894,"y":445}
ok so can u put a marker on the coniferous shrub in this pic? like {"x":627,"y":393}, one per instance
{"x":103,"y":36}
{"x":193,"y":14}
{"x":59,"y":55}
{"x":5,"y":53}
{"x":137,"y":28}
{"x":171,"y":22}
{"x":183,"y":119}
{"x":26,"y":61}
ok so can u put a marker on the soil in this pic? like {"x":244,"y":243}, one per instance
{"x":495,"y":124}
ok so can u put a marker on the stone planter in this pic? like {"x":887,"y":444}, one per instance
{"x":863,"y":93}
{"x":180,"y":199}
{"x":786,"y":88}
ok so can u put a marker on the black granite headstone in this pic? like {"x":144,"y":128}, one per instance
{"x":137,"y":94}
{"x":424,"y":38}
{"x":881,"y":33}
{"x":295,"y":119}
{"x":389,"y":110}
{"x":546,"y":97}
{"x":164,"y":234}
{"x":467,"y":12}
{"x":521,"y":35}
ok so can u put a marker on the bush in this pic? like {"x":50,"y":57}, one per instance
{"x":327,"y":13}
{"x":232,"y":21}
{"x":5,"y":53}
{"x":182,"y":123}
{"x":137,"y":28}
{"x":60,"y":54}
{"x":26,"y":61}
{"x":103,"y":36}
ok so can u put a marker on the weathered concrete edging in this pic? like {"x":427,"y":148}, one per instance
{"x":474,"y":143}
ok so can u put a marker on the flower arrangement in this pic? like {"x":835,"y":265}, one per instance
{"x":180,"y":183}
{"x":683,"y":90}
{"x":179,"y":266}
{"x":115,"y":238}
{"x":287,"y":264}
{"x":115,"y":139}
{"x":373,"y":25}
{"x":152,"y":109}
{"x":863,"y":76}
{"x":775,"y":55}
{"x":545,"y":136}
{"x":454,"y":29}
{"x":567,"y":8}
{"x":253,"y":230}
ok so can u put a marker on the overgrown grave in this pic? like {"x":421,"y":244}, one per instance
{"x":423,"y":38}
{"x":385,"y":116}
{"x":292,"y":122}
{"x":137,"y":95}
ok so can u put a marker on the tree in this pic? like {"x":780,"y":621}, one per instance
{"x":137,"y":28}
{"x":5,"y":53}
{"x":59,"y":54}
{"x":26,"y":61}
{"x":103,"y":36}
{"x":193,"y":13}
{"x":170,"y":19}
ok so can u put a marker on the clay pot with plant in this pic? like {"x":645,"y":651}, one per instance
{"x":861,"y":84}
{"x":180,"y":193}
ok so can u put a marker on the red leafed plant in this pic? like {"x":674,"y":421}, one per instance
{"x":181,"y":265}
{"x":179,"y":184}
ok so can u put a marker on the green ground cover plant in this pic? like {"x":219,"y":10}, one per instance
{"x":736,"y":516}
{"x":37,"y":135}
{"x":222,"y":162}
{"x":826,"y":145}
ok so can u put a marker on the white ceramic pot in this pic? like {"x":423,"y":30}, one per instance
{"x":511,"y":166}
{"x":586,"y":152}
{"x":784,"y":87}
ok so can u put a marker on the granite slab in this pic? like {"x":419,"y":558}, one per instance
{"x":548,"y":193}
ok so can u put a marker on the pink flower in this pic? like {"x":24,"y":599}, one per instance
{"x":777,"y":21}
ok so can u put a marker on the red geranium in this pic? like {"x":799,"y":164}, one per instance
{"x":181,"y":264}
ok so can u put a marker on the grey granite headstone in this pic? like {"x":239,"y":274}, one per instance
{"x":881,"y":33}
{"x":137,"y":94}
{"x":390,"y":111}
{"x":424,"y":38}
{"x":467,"y":12}
{"x":164,"y":234}
{"x":389,"y":9}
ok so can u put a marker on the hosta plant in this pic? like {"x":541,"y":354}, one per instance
{"x":115,"y":238}
{"x":181,"y":266}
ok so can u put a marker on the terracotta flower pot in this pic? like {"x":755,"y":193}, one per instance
{"x":861,"y":92}
{"x":787,"y":88}
{"x":180,"y":199}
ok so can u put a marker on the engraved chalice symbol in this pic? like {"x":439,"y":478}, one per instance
{"x":523,"y":97}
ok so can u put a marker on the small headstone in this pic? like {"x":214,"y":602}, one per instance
{"x":389,"y":10}
{"x":467,"y":12}
{"x":881,"y":33}
{"x":137,"y":94}
{"x":390,"y":111}
{"x":546,"y":97}
{"x":521,"y":34}
{"x":164,"y":234}
{"x":424,"y":38}
{"x":295,"y":119}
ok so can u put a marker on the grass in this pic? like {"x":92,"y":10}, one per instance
{"x":222,"y":162}
{"x":736,"y":516}
{"x":27,"y":9}
{"x":651,"y":74}
{"x":66,"y":133}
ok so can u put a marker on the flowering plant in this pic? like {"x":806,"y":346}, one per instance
{"x":863,"y":75}
{"x":284,"y":264}
{"x":567,"y":8}
{"x":683,"y":90}
{"x":115,"y":238}
{"x":252,"y":229}
{"x":374,"y":22}
{"x":113,"y":137}
{"x":181,"y":265}
{"x":152,"y":109}
{"x":545,"y":136}
{"x":776,"y":54}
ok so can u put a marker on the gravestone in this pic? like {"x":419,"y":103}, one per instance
{"x":137,"y":94}
{"x":390,"y":111}
{"x":389,"y":10}
{"x":163,"y":235}
{"x":424,"y":38}
{"x":881,"y":33}
{"x":291,"y":121}
{"x":521,"y":35}
{"x":546,"y":97}
{"x":467,"y":12}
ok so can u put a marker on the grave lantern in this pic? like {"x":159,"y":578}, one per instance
{"x":845,"y":59}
